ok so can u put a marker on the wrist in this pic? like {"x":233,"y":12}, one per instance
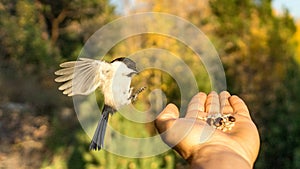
{"x":215,"y":156}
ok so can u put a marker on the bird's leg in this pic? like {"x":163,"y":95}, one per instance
{"x":134,"y":96}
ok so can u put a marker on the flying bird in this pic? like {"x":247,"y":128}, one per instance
{"x":85,"y":75}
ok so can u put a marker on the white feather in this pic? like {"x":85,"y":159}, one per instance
{"x":118,"y":91}
{"x":83,"y":76}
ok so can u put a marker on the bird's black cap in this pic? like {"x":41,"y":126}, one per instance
{"x":128,"y":62}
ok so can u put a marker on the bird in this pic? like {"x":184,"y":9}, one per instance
{"x":84,"y":76}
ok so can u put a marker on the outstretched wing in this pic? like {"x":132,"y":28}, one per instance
{"x":82,"y":77}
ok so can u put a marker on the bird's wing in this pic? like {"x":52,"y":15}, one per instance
{"x":82,"y":77}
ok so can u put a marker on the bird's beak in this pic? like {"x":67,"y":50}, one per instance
{"x":136,"y":70}
{"x":136,"y":73}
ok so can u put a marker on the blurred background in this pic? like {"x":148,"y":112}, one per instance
{"x":257,"y":40}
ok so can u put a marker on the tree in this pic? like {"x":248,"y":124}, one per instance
{"x":70,"y":23}
{"x":297,"y":41}
{"x":258,"y":55}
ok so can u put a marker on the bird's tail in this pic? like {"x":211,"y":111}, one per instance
{"x":98,"y":138}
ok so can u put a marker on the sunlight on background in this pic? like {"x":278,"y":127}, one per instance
{"x":292,"y":5}
{"x":39,"y":127}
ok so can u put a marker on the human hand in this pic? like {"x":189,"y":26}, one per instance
{"x":237,"y":147}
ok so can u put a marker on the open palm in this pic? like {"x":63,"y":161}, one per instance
{"x":190,"y":134}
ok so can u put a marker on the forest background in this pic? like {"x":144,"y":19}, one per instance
{"x":259,"y":49}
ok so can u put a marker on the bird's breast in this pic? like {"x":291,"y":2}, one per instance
{"x":118,"y":92}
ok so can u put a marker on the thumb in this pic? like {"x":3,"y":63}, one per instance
{"x":166,"y":118}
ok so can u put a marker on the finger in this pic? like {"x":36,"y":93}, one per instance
{"x":239,"y":106}
{"x":224,"y":103}
{"x":212,"y":104}
{"x":167,"y":118}
{"x":196,"y":105}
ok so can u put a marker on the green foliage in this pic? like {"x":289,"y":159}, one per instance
{"x":255,"y":45}
{"x":259,"y":60}
{"x":21,"y":33}
{"x":71,"y":23}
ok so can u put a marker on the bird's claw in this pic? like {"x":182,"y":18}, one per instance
{"x":136,"y":93}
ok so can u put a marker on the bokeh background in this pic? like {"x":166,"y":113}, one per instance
{"x":257,"y":43}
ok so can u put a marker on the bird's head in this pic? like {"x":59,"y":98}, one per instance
{"x":125,"y":62}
